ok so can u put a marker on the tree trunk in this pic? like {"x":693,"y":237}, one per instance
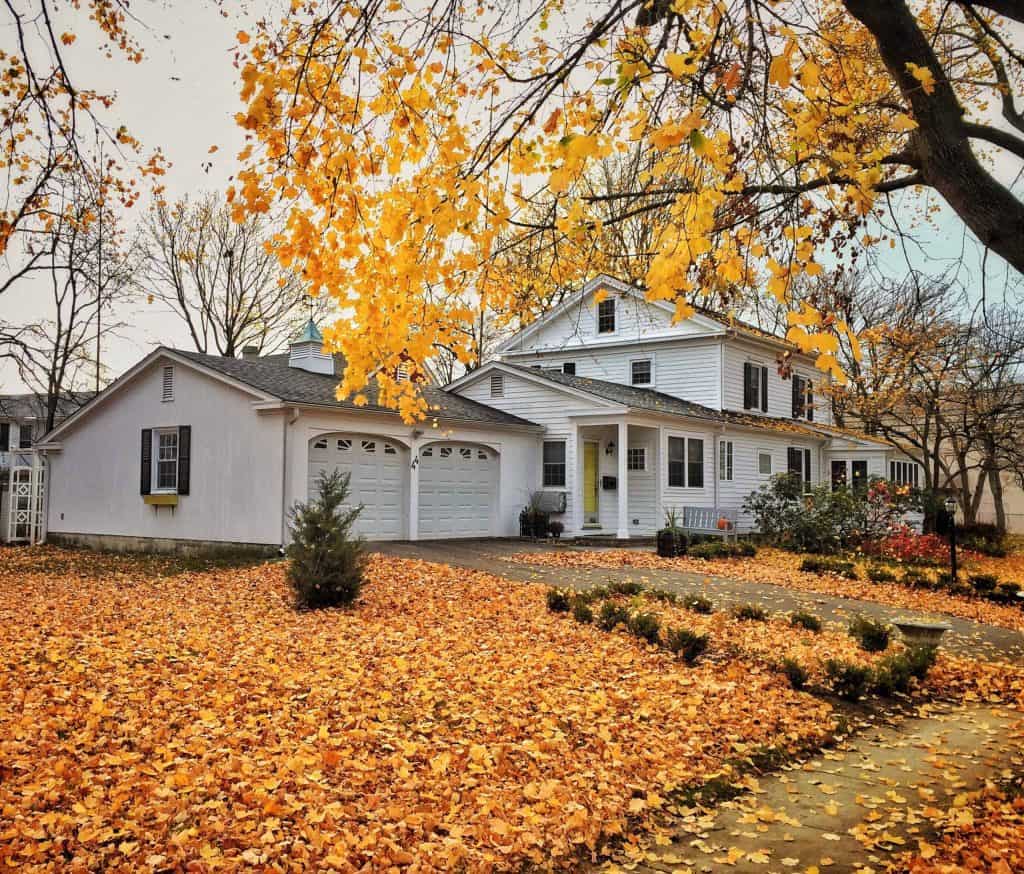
{"x":995,"y":483}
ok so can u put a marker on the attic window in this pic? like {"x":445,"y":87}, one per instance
{"x":497,"y":385}
{"x":168,"y":384}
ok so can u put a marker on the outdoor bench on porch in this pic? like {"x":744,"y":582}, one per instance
{"x":707,"y":520}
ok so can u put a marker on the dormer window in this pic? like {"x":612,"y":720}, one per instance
{"x":606,"y":316}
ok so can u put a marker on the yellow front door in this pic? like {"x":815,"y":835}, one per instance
{"x":590,"y":482}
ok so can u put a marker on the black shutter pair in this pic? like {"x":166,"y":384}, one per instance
{"x":184,"y":460}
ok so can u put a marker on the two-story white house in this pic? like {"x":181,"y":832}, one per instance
{"x":607,"y":408}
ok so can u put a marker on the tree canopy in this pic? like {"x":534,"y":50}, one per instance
{"x":420,"y":151}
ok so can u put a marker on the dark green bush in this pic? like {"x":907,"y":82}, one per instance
{"x":871,"y":635}
{"x":625,"y":587}
{"x":879,"y":574}
{"x":795,"y":673}
{"x":698,"y":604}
{"x":1006,"y":593}
{"x":559,"y":600}
{"x":751,"y":612}
{"x":821,"y":565}
{"x":983,"y":583}
{"x":645,"y":626}
{"x":916,"y":579}
{"x":920,"y":660}
{"x":848,"y":680}
{"x":326,"y":568}
{"x":582,"y":613}
{"x":892,"y":674}
{"x":712,"y":549}
{"x":944,"y":580}
{"x":663,"y":595}
{"x":803,"y":619}
{"x":687,"y":644}
{"x":612,"y":614}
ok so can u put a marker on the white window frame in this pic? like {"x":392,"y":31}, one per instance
{"x":615,"y":317}
{"x":545,"y":464}
{"x":765,"y":453}
{"x":156,"y":488}
{"x":686,"y":438}
{"x":726,"y":458}
{"x":630,"y":450}
{"x":639,"y":360}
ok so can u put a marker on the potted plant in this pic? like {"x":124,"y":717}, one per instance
{"x":533,"y":521}
{"x":672,"y":539}
{"x":555,"y":529}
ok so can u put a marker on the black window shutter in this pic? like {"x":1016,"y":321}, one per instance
{"x":797,"y":412}
{"x":748,"y":379}
{"x":809,"y":400}
{"x":146,"y":480}
{"x":764,"y":389}
{"x":184,"y":457}
{"x":5,"y":436}
{"x":807,"y":466}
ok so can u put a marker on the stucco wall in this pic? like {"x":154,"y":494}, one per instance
{"x":235,"y":493}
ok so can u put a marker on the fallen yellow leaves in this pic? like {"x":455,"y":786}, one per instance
{"x":779,"y":568}
{"x":449,"y":721}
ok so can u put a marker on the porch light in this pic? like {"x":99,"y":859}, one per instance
{"x":610,"y":448}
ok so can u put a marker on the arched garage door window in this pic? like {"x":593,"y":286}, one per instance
{"x":379,"y":479}
{"x":458,"y":490}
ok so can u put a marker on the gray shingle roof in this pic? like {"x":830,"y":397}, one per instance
{"x":272,"y":375}
{"x":33,"y":406}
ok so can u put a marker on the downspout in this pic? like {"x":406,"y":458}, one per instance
{"x":286,"y":423}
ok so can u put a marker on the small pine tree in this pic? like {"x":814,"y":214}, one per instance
{"x":326,"y":560}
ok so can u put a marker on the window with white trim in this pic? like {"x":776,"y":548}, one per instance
{"x":636,"y":458}
{"x":641,"y":371}
{"x":167,"y":386}
{"x":764,"y":463}
{"x":686,"y":462}
{"x":165,"y":460}
{"x":905,"y":473}
{"x":554,"y":464}
{"x":497,"y":385}
{"x":725,"y":460}
{"x":606,"y":316}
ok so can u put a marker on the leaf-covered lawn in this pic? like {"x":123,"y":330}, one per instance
{"x":779,"y":568}
{"x":152,"y":720}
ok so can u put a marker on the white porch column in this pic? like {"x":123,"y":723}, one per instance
{"x":414,"y":489}
{"x":575,"y":483}
{"x":623,"y":481}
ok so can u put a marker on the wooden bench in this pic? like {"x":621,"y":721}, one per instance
{"x":704,"y":520}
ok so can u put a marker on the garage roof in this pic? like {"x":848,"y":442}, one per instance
{"x":272,"y":375}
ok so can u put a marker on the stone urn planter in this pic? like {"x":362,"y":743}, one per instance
{"x":671,"y":542}
{"x":918,"y":632}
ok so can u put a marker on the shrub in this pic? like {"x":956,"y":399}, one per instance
{"x":892,"y":675}
{"x":1006,"y":593}
{"x":612,"y":614}
{"x":645,"y":626}
{"x":751,"y":612}
{"x":983,"y":583}
{"x":848,"y":680}
{"x":687,"y":644}
{"x":905,"y":544}
{"x":559,"y":600}
{"x":920,"y":660}
{"x":716,"y":549}
{"x":582,"y":613}
{"x":916,"y":579}
{"x":871,"y":635}
{"x":982,"y":537}
{"x":878,"y":574}
{"x":556,"y":528}
{"x":795,"y":673}
{"x":663,"y":595}
{"x":326,"y":567}
{"x":803,"y":619}
{"x":625,"y":587}
{"x":837,"y":566}
{"x":698,"y":604}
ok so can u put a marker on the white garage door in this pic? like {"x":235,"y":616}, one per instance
{"x":458,"y":490}
{"x":379,"y":470}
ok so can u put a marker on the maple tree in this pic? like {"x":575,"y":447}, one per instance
{"x":414,"y":150}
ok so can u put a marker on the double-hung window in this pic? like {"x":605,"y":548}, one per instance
{"x":166,"y":460}
{"x":641,"y":371}
{"x":554,"y":464}
{"x":799,"y":465}
{"x":686,"y":462}
{"x":25,"y":436}
{"x":606,"y":316}
{"x":803,"y":398}
{"x":725,"y":460}
{"x":755,"y":387}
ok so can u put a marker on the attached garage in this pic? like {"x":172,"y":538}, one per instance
{"x":379,"y":470}
{"x":458,"y":490}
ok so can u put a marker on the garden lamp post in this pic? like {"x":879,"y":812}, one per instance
{"x":951,"y":510}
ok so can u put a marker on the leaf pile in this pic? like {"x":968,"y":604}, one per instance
{"x":449,"y":721}
{"x":779,"y":568}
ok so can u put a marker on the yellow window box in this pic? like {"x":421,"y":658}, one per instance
{"x":161,"y":500}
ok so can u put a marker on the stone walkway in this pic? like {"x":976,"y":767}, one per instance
{"x":852,"y":807}
{"x":966,"y":637}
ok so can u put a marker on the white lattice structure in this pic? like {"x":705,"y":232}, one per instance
{"x":26,"y":517}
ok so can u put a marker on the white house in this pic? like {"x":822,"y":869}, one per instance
{"x":612,"y":411}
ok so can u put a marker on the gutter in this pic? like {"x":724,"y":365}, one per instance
{"x":286,"y":424}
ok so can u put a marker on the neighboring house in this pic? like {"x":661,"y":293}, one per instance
{"x":612,"y":412}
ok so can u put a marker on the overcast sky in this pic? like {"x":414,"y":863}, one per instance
{"x":183,"y":98}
